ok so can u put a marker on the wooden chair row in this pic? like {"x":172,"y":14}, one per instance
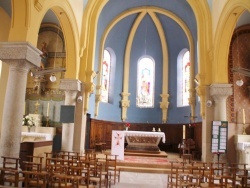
{"x":64,"y":169}
{"x":201,"y":174}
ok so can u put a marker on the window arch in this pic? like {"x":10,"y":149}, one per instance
{"x":105,"y":75}
{"x":145,"y":82}
{"x":183,"y":77}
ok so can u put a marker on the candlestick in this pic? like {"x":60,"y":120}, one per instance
{"x":48,"y":109}
{"x":184,"y":132}
{"x":47,"y":121}
{"x":244,"y":121}
{"x":244,"y":117}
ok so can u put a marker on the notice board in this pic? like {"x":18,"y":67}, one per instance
{"x":219,"y":136}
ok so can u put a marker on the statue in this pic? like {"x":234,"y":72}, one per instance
{"x":44,"y":55}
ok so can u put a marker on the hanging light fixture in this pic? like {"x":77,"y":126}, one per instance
{"x":53,"y":76}
{"x":239,"y":82}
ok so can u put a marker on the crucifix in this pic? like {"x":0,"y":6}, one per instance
{"x":36,"y":107}
{"x":191,"y":119}
{"x":117,"y":138}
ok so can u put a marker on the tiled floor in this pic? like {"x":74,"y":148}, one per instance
{"x":141,"y":180}
{"x":144,"y":180}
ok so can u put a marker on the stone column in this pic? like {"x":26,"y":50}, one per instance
{"x":219,"y":93}
{"x":20,"y":56}
{"x":80,"y":131}
{"x":71,"y":88}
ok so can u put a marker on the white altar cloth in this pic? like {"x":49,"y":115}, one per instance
{"x":34,"y":136}
{"x":146,"y":134}
{"x":243,"y":145}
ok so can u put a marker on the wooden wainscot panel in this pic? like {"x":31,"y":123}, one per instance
{"x":101,"y":130}
{"x":34,"y":149}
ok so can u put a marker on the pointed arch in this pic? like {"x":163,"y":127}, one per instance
{"x":142,"y":11}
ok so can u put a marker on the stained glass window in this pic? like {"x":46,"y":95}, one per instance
{"x":145,"y":83}
{"x":105,"y":76}
{"x":183,"y":77}
{"x":186,"y":78}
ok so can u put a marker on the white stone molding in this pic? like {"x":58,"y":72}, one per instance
{"x":220,"y":92}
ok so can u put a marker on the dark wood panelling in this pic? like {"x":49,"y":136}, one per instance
{"x":101,"y":131}
{"x":28,"y":149}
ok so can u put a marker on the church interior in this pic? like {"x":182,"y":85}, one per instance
{"x":165,"y":76}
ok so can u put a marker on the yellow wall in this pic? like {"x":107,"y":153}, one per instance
{"x":4,"y":68}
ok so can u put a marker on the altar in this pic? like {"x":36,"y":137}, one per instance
{"x":242,"y":145}
{"x":141,"y":141}
{"x":36,"y":142}
{"x":37,"y":134}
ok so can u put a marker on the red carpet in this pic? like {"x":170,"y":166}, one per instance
{"x":145,"y":160}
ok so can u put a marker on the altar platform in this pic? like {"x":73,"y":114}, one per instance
{"x":145,"y":162}
{"x":143,"y":142}
{"x":147,"y":154}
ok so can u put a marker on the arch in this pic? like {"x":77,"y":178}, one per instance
{"x":29,"y":21}
{"x":145,"y":82}
{"x":205,"y":52}
{"x":180,"y":77}
{"x":110,"y":77}
{"x":229,"y":16}
{"x":142,"y":12}
{"x":87,"y":48}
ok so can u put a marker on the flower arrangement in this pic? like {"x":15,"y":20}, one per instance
{"x":28,"y":121}
{"x":127,"y":125}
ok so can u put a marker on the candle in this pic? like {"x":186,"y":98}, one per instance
{"x":48,"y":109}
{"x":184,"y":132}
{"x":244,"y":117}
{"x":24,"y":112}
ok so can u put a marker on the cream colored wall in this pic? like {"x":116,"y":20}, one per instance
{"x":77,"y":6}
{"x":217,"y":8}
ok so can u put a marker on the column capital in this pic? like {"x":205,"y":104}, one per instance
{"x":19,"y":52}
{"x":221,"y":90}
{"x":70,"y":85}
